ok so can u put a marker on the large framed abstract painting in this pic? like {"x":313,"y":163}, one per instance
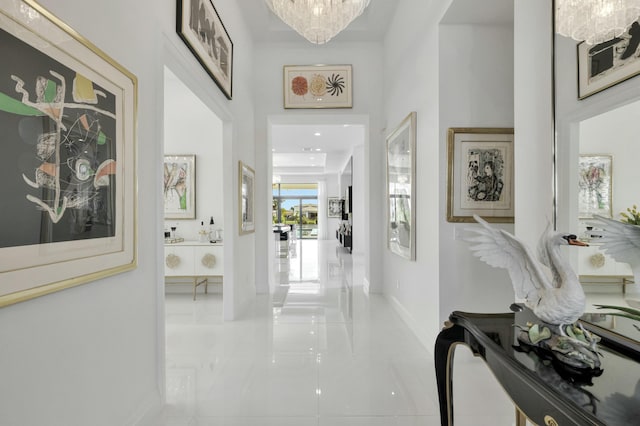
{"x":68,"y":118}
{"x":606,"y":64}
{"x":317,"y":86}
{"x":246,"y":190}
{"x":401,"y":189}
{"x":480,"y":174}
{"x":594,"y":185}
{"x":334,"y":207}
{"x":179,"y":187}
{"x":202,"y":30}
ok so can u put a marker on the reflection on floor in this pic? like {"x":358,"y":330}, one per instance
{"x":318,"y":352}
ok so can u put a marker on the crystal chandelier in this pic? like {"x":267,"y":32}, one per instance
{"x":595,"y":21}
{"x":318,"y":20}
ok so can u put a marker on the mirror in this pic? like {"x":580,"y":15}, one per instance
{"x":597,"y":147}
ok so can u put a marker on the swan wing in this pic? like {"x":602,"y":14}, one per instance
{"x":620,"y":240}
{"x":500,"y":249}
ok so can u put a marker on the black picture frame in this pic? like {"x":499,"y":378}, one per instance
{"x":200,"y":27}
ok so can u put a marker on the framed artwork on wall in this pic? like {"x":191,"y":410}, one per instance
{"x":401,"y":189}
{"x":68,"y":118}
{"x":179,"y":187}
{"x":317,"y":86}
{"x":480,"y":174}
{"x":606,"y":64}
{"x":334,"y":207}
{"x":594,"y":185}
{"x":246,"y":186}
{"x":202,"y":30}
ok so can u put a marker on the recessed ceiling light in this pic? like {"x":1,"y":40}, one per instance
{"x":318,"y":149}
{"x":317,"y":134}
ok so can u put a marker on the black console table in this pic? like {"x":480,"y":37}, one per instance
{"x":543,"y":391}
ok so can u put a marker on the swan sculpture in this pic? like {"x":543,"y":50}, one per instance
{"x":548,"y":285}
{"x":621,"y":241}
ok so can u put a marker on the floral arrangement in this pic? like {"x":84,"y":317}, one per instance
{"x":625,"y":312}
{"x":632,"y":216}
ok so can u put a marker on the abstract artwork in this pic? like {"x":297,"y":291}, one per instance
{"x":334,"y":207}
{"x":606,"y":64}
{"x":179,"y":187}
{"x":67,"y":114}
{"x":246,"y":180}
{"x":317,"y":86}
{"x":480,"y":174}
{"x":202,"y":30}
{"x":401,"y":189}
{"x":594,"y":186}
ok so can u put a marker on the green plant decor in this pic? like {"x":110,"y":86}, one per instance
{"x":623,"y":311}
{"x":632,"y":216}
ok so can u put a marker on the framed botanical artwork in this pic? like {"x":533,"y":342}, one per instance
{"x":606,"y":64}
{"x":68,"y":119}
{"x":317,"y":86}
{"x":202,"y":30}
{"x":246,"y":189}
{"x":480,"y":174}
{"x":334,"y":207}
{"x":179,"y":186}
{"x":401,"y":189}
{"x":594,"y":185}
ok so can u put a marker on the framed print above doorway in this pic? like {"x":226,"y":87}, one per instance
{"x":317,"y":86}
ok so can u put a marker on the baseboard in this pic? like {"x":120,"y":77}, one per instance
{"x":147,"y":412}
{"x":410,"y":322}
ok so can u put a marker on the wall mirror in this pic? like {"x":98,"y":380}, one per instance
{"x":597,"y":143}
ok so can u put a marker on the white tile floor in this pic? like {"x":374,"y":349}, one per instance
{"x":318,"y":352}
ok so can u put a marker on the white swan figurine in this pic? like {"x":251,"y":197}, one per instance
{"x":548,"y":285}
{"x":621,"y":241}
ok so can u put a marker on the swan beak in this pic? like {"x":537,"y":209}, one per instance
{"x":573,"y":242}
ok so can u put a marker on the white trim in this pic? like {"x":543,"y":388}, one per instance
{"x":410,"y":322}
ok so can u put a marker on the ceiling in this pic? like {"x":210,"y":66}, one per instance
{"x":316,"y":149}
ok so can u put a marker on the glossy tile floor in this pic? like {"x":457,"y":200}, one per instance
{"x":317,"y":352}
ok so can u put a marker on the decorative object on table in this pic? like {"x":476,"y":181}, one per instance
{"x":480,"y":174}
{"x":334,"y":207}
{"x":401,"y":189}
{"x":68,"y":115}
{"x":594,"y":185}
{"x":203,"y":233}
{"x":319,"y":20}
{"x":609,"y":62}
{"x":179,"y":186}
{"x":246,"y":188}
{"x":202,"y":30}
{"x":317,"y":86}
{"x":621,"y":241}
{"x":548,"y":285}
{"x":631,"y":216}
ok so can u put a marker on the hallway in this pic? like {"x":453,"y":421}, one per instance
{"x":319,"y":352}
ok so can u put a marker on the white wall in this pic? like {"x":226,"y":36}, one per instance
{"x":94,"y":354}
{"x":366,"y":59}
{"x":476,"y":90}
{"x":190,"y":128}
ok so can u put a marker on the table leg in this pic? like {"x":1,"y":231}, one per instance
{"x":521,"y":419}
{"x":444,"y":349}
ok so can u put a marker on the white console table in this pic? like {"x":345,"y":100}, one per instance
{"x":193,"y":259}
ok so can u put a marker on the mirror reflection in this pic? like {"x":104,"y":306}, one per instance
{"x":597,"y":155}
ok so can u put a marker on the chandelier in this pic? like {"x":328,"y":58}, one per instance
{"x":318,"y":20}
{"x":595,"y":21}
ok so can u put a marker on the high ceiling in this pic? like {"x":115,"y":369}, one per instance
{"x":297,"y":147}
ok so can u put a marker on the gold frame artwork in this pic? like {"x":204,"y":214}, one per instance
{"x":317,"y":86}
{"x":246,"y":195}
{"x":401,"y":188}
{"x":480,"y":174}
{"x":179,"y":175}
{"x":68,"y":116}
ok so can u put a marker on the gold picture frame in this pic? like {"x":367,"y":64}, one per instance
{"x":179,"y":186}
{"x":480,"y":174}
{"x":317,"y":86}
{"x":68,"y":114}
{"x":401,"y":188}
{"x":246,"y":194}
